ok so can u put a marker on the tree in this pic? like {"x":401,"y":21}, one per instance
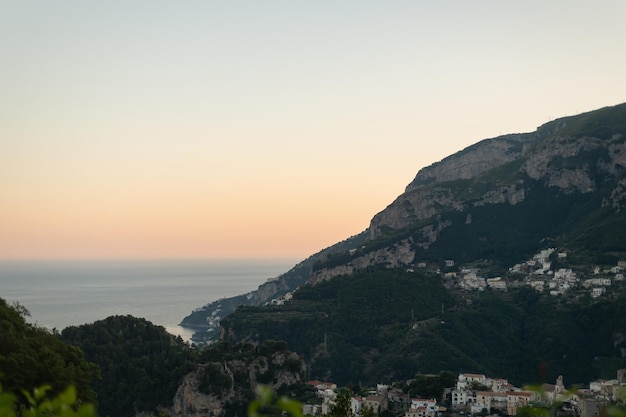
{"x":431,"y":386}
{"x":477,"y":386}
{"x":32,"y":357}
{"x":342,"y":407}
{"x":142,"y":364}
{"x":368,"y":412}
{"x":266,"y":404}
{"x":41,"y":404}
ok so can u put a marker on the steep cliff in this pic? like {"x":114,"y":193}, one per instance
{"x":572,"y":157}
{"x":476,"y":159}
{"x":398,"y":254}
{"x":497,"y":201}
{"x":225,"y":387}
{"x":205,"y":320}
{"x":499,"y":170}
{"x":444,"y":279}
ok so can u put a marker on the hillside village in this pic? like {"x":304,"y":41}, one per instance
{"x":478,"y":395}
{"x":542,"y":272}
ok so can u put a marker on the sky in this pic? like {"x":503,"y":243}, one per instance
{"x":266,"y":129}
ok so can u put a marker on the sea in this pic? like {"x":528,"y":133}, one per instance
{"x":62,"y":293}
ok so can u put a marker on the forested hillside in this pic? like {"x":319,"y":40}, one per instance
{"x":137,"y":367}
{"x":386,"y":325}
{"x":31,"y":356}
{"x":141,"y":364}
{"x":496,"y":203}
{"x":487,"y":209}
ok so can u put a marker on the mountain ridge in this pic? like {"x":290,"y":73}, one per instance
{"x":454,"y":207}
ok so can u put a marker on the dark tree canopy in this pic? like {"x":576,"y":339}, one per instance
{"x":141,"y":364}
{"x":32,"y":356}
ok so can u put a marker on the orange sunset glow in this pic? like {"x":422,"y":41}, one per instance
{"x":204,"y":130}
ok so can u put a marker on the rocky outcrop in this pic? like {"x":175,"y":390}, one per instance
{"x":216,"y":387}
{"x":412,"y":207}
{"x":267,"y":291}
{"x":617,"y":198}
{"x":560,"y":155}
{"x":191,"y":402}
{"x":570,"y":156}
{"x":548,"y":164}
{"x":556,"y":156}
{"x":431,"y":193}
{"x":474,"y":160}
{"x":511,"y":194}
{"x":398,"y":254}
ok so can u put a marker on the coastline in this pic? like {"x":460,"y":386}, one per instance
{"x":59,"y":294}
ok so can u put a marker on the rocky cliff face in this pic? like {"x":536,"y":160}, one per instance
{"x":486,"y":208}
{"x":220,"y":388}
{"x":429,"y":193}
{"x":191,"y":402}
{"x":565,"y":162}
{"x":572,"y":164}
{"x":475,"y":160}
{"x":576,"y":155}
{"x":398,"y":254}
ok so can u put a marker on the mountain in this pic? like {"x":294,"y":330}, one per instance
{"x":224,"y":384}
{"x":502,"y":199}
{"x":539,"y":214}
{"x":144,"y":370}
{"x":495,"y":203}
{"x":205,"y":320}
{"x":389,"y":324}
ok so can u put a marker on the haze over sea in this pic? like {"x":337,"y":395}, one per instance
{"x":72,"y":292}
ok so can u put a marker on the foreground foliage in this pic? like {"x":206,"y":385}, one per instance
{"x":266,"y":404}
{"x":41,"y":404}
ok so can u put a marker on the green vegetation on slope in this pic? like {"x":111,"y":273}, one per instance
{"x":233,"y":370}
{"x":31,"y":357}
{"x":135,"y":365}
{"x":505,"y":234}
{"x":141,"y":364}
{"x":347,"y":325}
{"x":40,"y":403}
{"x":601,"y":123}
{"x":386,"y":325}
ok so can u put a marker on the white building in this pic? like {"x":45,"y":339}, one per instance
{"x":496,"y":283}
{"x":356,"y":405}
{"x":422,"y":408}
{"x":465,"y":380}
{"x":597,"y":292}
{"x":462,"y":397}
{"x":517,"y":399}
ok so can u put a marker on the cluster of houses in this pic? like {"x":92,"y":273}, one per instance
{"x":476,"y":392}
{"x":539,"y":274}
{"x":479,"y":394}
{"x":377,"y":400}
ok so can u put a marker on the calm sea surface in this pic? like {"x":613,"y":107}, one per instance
{"x":65,"y":293}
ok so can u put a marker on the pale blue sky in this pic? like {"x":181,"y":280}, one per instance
{"x":154,"y":128}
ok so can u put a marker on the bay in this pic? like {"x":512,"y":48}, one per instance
{"x":72,"y":292}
